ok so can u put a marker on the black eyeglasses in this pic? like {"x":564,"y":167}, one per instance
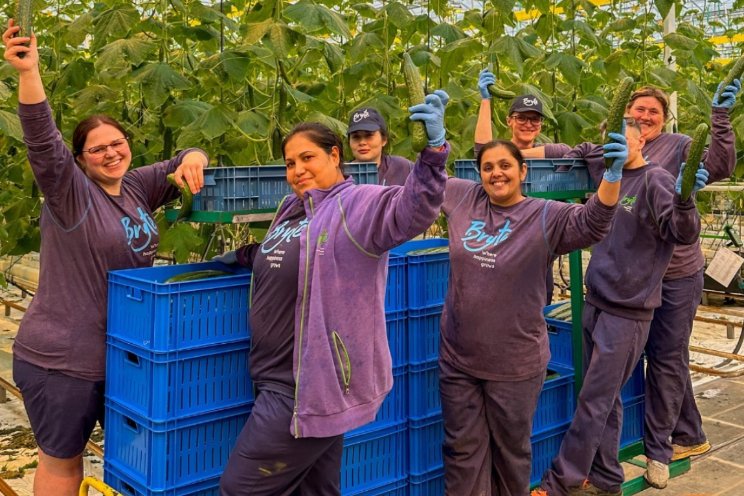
{"x":524,"y":119}
{"x":117,"y":145}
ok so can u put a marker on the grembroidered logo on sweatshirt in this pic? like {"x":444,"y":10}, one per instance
{"x":477,"y":240}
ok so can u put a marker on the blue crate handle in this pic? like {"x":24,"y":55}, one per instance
{"x":133,"y":359}
{"x":134,"y":294}
{"x":209,"y":179}
{"x":131,"y":424}
{"x":127,"y":490}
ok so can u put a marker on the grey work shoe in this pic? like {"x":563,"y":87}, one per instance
{"x":589,"y":489}
{"x":657,"y":474}
{"x":682,"y":452}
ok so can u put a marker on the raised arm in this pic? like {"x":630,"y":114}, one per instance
{"x":720,"y":158}
{"x":678,"y":221}
{"x":483,"y":126}
{"x":30,"y":87}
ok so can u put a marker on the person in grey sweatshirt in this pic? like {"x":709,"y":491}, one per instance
{"x":97,"y":216}
{"x":494,"y":345}
{"x":674,"y":428}
{"x":320,"y":359}
{"x":368,"y":137}
{"x":622,"y":294}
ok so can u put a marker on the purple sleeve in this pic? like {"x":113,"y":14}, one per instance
{"x":677,"y":221}
{"x":720,"y":157}
{"x":569,"y":227}
{"x":247,"y":254}
{"x":152,"y":180}
{"x":594,"y":157}
{"x":556,"y":150}
{"x":386,"y":217}
{"x":63,"y":183}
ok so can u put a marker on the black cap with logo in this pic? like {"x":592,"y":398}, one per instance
{"x":366,"y":119}
{"x":526,"y":103}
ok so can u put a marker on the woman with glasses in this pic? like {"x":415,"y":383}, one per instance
{"x":96,"y":216}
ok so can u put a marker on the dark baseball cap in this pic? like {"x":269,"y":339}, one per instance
{"x":526,"y":103}
{"x":366,"y":119}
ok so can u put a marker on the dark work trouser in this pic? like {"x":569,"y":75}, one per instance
{"x":612,"y":348}
{"x":670,"y":403}
{"x":268,"y":460}
{"x":487,"y":427}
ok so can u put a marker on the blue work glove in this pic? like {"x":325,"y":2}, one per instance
{"x":726,"y":98}
{"x":228,"y":258}
{"x":485,"y":79}
{"x":431,"y":113}
{"x":617,"y":150}
{"x":701,"y":178}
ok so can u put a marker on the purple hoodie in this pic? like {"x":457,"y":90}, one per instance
{"x":341,"y":363}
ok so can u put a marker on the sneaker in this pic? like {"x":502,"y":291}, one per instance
{"x":657,"y":474}
{"x":539,"y":492}
{"x":682,"y":452}
{"x":589,"y":489}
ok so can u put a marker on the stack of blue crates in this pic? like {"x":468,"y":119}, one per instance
{"x":178,"y":390}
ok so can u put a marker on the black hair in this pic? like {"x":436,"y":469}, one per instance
{"x":321,"y":135}
{"x":510,"y":147}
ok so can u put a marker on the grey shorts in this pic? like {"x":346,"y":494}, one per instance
{"x":63,"y":410}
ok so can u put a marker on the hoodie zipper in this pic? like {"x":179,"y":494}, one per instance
{"x":295,"y":420}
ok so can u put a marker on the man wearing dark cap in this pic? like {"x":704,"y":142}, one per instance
{"x":368,"y":136}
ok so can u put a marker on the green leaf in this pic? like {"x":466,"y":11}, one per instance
{"x":255,"y":31}
{"x":158,"y":80}
{"x":74,"y":77}
{"x":334,"y":56}
{"x":95,"y":99}
{"x":181,"y":239}
{"x":253,"y":123}
{"x":571,"y":67}
{"x":236,"y":65}
{"x":570,"y":125}
{"x":663,"y":6}
{"x":10,"y":125}
{"x":184,"y":113}
{"x":366,"y":10}
{"x":452,"y":54}
{"x":364,"y":44}
{"x":132,"y":50}
{"x":448,"y":32}
{"x":398,"y":14}
{"x":677,"y":41}
{"x":215,"y":122}
{"x":115,"y":23}
{"x":334,"y":124}
{"x":79,"y":28}
{"x":314,"y":17}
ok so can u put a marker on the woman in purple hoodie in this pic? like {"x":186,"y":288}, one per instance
{"x":97,"y":216}
{"x":494,"y":348}
{"x":320,"y":360}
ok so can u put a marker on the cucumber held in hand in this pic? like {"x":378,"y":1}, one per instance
{"x":617,"y":111}
{"x":497,"y":92}
{"x":734,"y":73}
{"x":187,"y":197}
{"x":419,"y":138}
{"x":23,"y":19}
{"x":694,"y":156}
{"x":196,"y":275}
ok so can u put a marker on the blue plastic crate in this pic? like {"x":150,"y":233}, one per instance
{"x":545,"y":446}
{"x":395,"y":488}
{"x":166,"y":386}
{"x":373,"y":459}
{"x":634,"y":412}
{"x":560,"y":338}
{"x":428,"y":274}
{"x":394,"y":409}
{"x":556,"y":403}
{"x":423,"y":334}
{"x":395,"y":291}
{"x":425,"y":440}
{"x":636,"y":385}
{"x":116,"y":477}
{"x":428,"y":484}
{"x":423,"y":390}
{"x":544,"y":175}
{"x":362,"y":172}
{"x":396,"y":324}
{"x":164,"y":456}
{"x":145,"y":311}
{"x":234,"y":189}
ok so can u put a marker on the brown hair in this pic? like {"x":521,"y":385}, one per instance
{"x":653,"y":92}
{"x":321,"y":135}
{"x":86,"y":126}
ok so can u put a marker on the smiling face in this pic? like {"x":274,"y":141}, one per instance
{"x":502,"y":176}
{"x":649,"y":113}
{"x":366,"y":146}
{"x":525,"y":127}
{"x":106,"y":156}
{"x":309,"y":166}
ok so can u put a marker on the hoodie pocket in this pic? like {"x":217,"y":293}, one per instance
{"x":342,"y":358}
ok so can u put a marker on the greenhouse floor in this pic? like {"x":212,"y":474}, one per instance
{"x":721,"y":402}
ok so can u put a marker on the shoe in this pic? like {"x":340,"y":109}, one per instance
{"x":589,"y":489}
{"x":539,"y":492}
{"x":682,"y":452}
{"x":657,"y":474}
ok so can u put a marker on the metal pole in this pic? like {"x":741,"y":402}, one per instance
{"x":670,"y":26}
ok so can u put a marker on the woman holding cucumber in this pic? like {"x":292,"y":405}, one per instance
{"x":320,"y":360}
{"x":96,"y":217}
{"x":671,"y":411}
{"x":494,"y":345}
{"x":368,"y":136}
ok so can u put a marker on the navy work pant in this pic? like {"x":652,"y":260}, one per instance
{"x":487,"y":427}
{"x":670,"y":404}
{"x":268,"y":460}
{"x":612,"y":348}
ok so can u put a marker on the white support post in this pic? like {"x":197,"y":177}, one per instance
{"x":670,"y":26}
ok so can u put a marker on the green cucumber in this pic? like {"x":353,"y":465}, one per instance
{"x":197,"y":275}
{"x":419,"y":138}
{"x":23,"y":19}
{"x":616,"y":112}
{"x":734,"y":73}
{"x":694,"y":156}
{"x":187,"y":197}
{"x":497,"y":92}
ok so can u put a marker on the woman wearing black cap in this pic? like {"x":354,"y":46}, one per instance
{"x":368,"y":136}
